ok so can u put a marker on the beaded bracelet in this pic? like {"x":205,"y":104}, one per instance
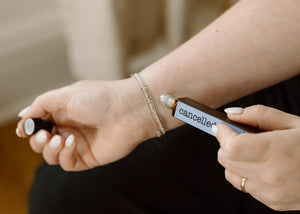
{"x":151,"y":105}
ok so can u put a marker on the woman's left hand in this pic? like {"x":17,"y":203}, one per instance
{"x":270,"y":160}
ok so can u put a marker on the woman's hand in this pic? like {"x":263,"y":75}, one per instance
{"x":270,"y":160}
{"x":96,"y":123}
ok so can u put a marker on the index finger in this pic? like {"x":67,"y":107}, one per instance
{"x":48,"y":102}
{"x":266,"y":118}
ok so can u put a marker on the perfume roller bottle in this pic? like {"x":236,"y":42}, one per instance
{"x":200,"y":116}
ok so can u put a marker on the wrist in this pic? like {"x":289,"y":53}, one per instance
{"x":134,"y":107}
{"x":156,"y":88}
{"x":157,"y":120}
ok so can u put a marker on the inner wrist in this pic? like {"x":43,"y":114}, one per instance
{"x":156,"y":88}
{"x":136,"y":107}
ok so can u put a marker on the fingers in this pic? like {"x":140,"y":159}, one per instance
{"x":253,"y":147}
{"x":67,"y":157}
{"x":263,"y":117}
{"x":43,"y":106}
{"x":243,"y":147}
{"x":224,"y":134}
{"x":55,"y":150}
{"x":39,"y":141}
{"x":246,"y":184}
{"x":21,"y":132}
{"x":258,"y":157}
{"x":236,"y":181}
{"x":259,"y":190}
{"x":52,"y":149}
{"x":46,"y":103}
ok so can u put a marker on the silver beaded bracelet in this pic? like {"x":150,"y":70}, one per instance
{"x":151,"y":105}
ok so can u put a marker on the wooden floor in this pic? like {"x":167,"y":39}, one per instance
{"x":17,"y":166}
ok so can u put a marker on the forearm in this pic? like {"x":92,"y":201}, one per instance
{"x":254,"y":45}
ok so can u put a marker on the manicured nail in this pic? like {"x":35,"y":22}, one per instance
{"x":70,"y":141}
{"x":214,"y":129}
{"x":55,"y":142}
{"x":18,"y":133}
{"x":234,"y":110}
{"x":23,"y":111}
{"x":41,"y":137}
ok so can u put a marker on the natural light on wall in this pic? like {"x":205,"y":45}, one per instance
{"x":32,"y":53}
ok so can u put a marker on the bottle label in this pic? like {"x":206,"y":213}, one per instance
{"x":200,"y":119}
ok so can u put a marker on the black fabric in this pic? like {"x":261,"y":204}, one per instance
{"x":177,"y":173}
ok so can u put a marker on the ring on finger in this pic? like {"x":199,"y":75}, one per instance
{"x":243,"y":183}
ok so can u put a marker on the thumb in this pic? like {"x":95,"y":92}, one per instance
{"x":263,"y":117}
{"x":224,"y":134}
{"x":48,"y":102}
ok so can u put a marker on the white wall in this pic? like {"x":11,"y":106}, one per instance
{"x":32,"y":53}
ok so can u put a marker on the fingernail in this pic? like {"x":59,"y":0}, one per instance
{"x":69,"y":141}
{"x":234,"y":110}
{"x":18,"y":133}
{"x":23,"y":111}
{"x":214,"y":129}
{"x":55,"y":142}
{"x":41,"y":137}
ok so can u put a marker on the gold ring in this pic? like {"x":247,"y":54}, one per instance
{"x":243,"y":185}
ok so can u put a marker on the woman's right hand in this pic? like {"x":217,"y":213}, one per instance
{"x":96,"y":123}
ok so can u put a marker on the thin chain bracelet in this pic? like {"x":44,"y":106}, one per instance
{"x":150,"y":104}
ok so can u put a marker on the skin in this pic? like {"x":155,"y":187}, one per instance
{"x":269,"y":160}
{"x":252,"y":46}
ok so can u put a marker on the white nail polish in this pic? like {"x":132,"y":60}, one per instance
{"x":70,"y":141}
{"x":214,"y":129}
{"x":18,"y":133}
{"x":234,"y":110}
{"x":55,"y":142}
{"x":23,"y":111}
{"x":41,"y":137}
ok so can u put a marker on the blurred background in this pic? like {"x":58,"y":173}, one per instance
{"x":49,"y":44}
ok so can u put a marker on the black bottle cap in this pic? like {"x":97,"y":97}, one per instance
{"x":31,"y":125}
